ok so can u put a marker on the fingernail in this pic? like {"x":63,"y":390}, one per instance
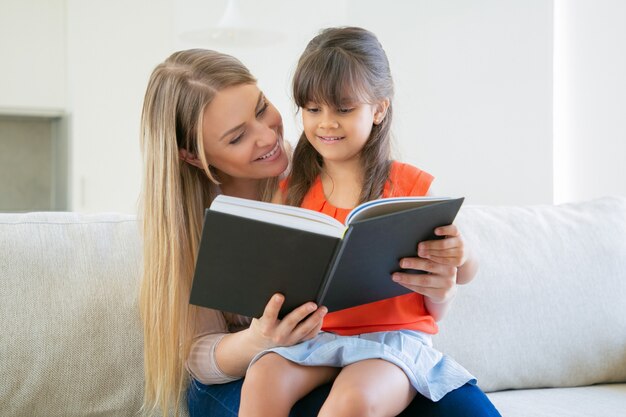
{"x":311,"y":307}
{"x":395,"y":278}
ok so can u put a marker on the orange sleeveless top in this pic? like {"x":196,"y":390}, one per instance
{"x":405,"y":312}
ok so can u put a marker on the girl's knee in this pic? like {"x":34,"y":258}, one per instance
{"x":351,"y":401}
{"x":267,"y":369}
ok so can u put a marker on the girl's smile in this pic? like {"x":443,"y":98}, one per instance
{"x":331,"y":139}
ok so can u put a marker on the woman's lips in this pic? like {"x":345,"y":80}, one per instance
{"x":271,"y":155}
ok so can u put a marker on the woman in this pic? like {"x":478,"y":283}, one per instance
{"x":208,"y":129}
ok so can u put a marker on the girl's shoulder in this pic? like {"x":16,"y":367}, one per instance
{"x":407,"y":180}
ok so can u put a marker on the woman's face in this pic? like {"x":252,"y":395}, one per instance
{"x":243,"y":135}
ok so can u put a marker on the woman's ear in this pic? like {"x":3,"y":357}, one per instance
{"x":381,"y":111}
{"x":190,"y":158}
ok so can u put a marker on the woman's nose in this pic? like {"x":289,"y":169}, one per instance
{"x":266,"y":135}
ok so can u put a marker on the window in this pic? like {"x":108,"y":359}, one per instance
{"x":33,"y":163}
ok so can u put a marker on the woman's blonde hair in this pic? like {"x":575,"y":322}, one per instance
{"x":173,"y":200}
{"x":341,"y":63}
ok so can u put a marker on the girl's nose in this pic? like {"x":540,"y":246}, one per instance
{"x":328,"y":121}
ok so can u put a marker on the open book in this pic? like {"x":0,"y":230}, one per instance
{"x":250,"y":250}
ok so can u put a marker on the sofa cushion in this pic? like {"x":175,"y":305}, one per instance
{"x":547,"y":308}
{"x":593,"y":401}
{"x":71,"y":342}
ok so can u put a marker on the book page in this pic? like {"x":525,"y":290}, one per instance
{"x":283,"y":215}
{"x":382,"y":206}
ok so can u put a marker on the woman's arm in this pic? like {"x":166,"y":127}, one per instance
{"x":220,"y":357}
{"x":236,"y":350}
{"x":211,"y":328}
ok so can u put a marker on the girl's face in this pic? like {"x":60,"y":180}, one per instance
{"x":339,"y":134}
{"x":243,"y":135}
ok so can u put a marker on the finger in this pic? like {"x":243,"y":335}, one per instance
{"x":453,"y":255}
{"x":273,"y":307}
{"x":312,"y":333}
{"x":312,"y":325}
{"x":447,"y":260}
{"x":422,"y":280}
{"x":458,"y":253}
{"x":421,"y":264}
{"x":440,"y":244}
{"x":450,"y":230}
{"x":291,"y":320}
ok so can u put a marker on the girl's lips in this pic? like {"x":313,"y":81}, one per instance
{"x":271,"y":155}
{"x":330,"y":139}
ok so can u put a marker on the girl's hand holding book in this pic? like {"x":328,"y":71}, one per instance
{"x":439,"y":259}
{"x":450,"y":250}
{"x":447,"y":262}
{"x":438,"y":283}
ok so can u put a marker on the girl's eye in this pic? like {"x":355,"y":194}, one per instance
{"x":312,"y":109}
{"x":345,"y":110}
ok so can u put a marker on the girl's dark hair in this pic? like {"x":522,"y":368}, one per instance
{"x":337,"y":64}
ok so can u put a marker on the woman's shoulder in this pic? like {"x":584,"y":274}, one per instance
{"x":408,"y":180}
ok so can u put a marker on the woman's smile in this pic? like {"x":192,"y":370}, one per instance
{"x":271,"y":155}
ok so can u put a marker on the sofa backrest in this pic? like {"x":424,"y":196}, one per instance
{"x":548,"y":306}
{"x":71,"y":337}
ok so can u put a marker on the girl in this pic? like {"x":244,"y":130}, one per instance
{"x":206,"y":129}
{"x":379,"y":355}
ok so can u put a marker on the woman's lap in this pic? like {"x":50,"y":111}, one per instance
{"x":222,"y":400}
{"x":466,"y":401}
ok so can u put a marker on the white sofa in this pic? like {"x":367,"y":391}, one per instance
{"x":543,"y":326}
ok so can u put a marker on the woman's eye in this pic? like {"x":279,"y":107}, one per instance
{"x":262,"y":110}
{"x":237,"y":139}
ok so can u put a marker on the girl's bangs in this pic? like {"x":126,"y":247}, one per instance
{"x":332,"y":78}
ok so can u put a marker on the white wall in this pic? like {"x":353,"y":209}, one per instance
{"x":32,"y":56}
{"x":590,"y":99}
{"x":474,"y":84}
{"x":112,"y":48}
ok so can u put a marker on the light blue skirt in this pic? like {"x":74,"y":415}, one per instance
{"x":432,"y":373}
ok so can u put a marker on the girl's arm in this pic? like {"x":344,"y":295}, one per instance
{"x":466,"y":272}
